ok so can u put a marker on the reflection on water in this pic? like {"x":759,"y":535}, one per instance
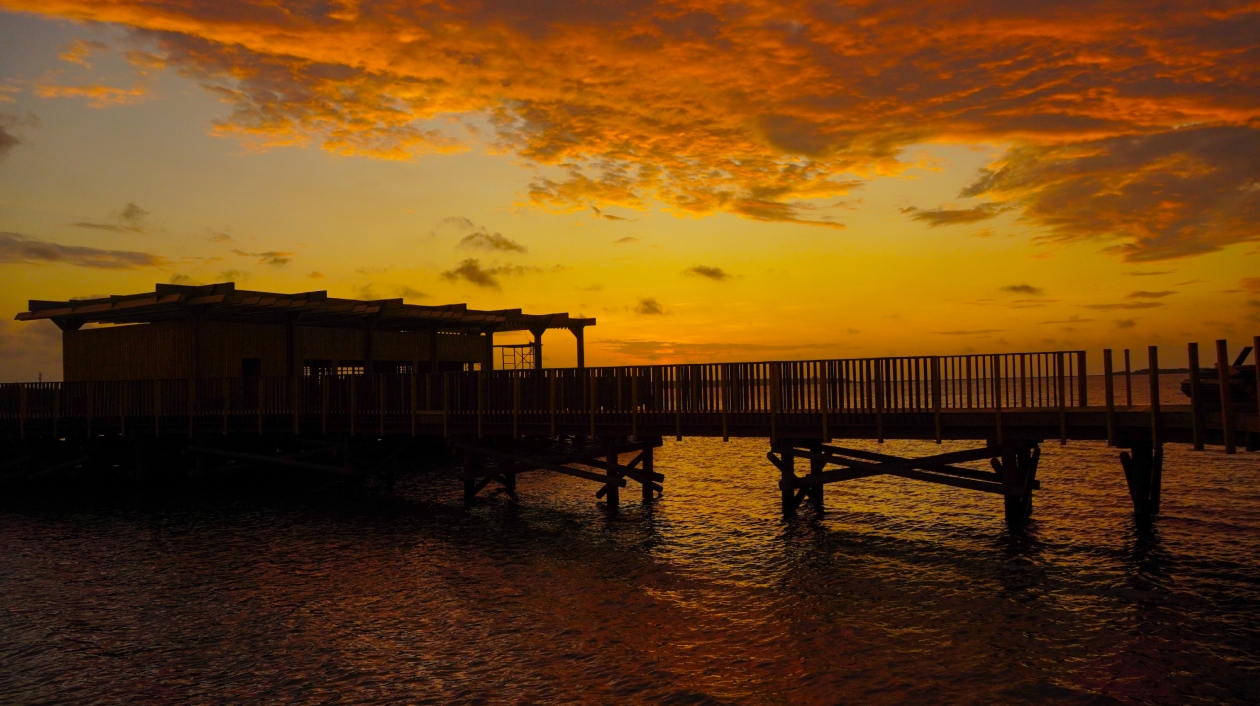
{"x":901,"y":592}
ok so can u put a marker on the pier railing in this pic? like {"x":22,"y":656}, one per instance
{"x":1044,"y":380}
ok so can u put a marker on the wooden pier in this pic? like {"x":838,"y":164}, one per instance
{"x":602,"y":424}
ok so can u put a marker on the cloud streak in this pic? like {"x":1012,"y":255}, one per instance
{"x":19,"y":249}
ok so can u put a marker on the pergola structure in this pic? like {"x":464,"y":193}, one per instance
{"x":223,"y":302}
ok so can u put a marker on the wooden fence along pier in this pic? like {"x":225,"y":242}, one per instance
{"x":602,"y":424}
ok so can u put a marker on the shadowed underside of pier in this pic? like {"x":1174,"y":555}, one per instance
{"x":506,"y":422}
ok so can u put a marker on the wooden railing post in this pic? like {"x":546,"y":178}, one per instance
{"x":380,"y":403}
{"x":481,"y":399}
{"x":1082,"y":381}
{"x":551,"y":397}
{"x":1128,"y":380}
{"x":634,"y":406}
{"x":227,"y":403}
{"x":1196,"y":396}
{"x":879,"y":398}
{"x":516,"y":407}
{"x":590,"y":376}
{"x":354,"y":403}
{"x":1153,"y":374}
{"x":775,"y":402}
{"x":1060,"y":363}
{"x":678,"y":403}
{"x":1109,"y":396}
{"x":996,"y":362}
{"x":936,"y":395}
{"x":157,"y":408}
{"x":824,"y":401}
{"x":1227,"y":397}
{"x":22,"y":411}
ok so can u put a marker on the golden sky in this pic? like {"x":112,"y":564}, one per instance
{"x":712,"y":180}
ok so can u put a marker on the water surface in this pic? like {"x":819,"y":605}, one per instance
{"x":900,"y":592}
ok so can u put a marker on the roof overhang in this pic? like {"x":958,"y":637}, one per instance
{"x":224,"y":302}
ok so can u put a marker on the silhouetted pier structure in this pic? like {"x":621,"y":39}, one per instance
{"x":602,"y":424}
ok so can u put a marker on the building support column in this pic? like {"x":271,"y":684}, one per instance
{"x":579,"y":332}
{"x":538,"y":334}
{"x":487,"y":363}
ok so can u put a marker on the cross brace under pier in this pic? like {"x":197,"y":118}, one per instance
{"x":500,"y":460}
{"x":1013,"y":476}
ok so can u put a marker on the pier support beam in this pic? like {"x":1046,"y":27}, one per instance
{"x":1017,"y":468}
{"x":603,"y":459}
{"x":1144,"y":471}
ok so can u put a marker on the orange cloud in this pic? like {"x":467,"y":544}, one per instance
{"x":98,"y":96}
{"x":756,"y":108}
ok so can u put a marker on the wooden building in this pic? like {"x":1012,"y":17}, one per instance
{"x":218,"y":331}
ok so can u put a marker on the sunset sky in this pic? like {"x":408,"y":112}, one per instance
{"x":711,"y":180}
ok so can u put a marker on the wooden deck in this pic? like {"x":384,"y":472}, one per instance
{"x":1009,"y":402}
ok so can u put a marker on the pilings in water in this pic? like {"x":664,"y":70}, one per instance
{"x":493,"y":460}
{"x":1014,"y":474}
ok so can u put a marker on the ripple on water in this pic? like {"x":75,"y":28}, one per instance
{"x":900,"y":592}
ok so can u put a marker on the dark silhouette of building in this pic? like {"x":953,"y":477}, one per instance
{"x":218,"y":331}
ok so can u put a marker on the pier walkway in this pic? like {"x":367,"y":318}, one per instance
{"x":586,"y":421}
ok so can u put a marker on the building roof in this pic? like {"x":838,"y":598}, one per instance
{"x":224,"y":302}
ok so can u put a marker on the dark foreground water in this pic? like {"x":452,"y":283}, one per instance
{"x":903,"y":592}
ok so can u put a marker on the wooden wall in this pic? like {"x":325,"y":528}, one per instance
{"x":164,"y":351}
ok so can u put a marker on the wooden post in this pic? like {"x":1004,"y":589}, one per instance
{"x":776,"y":402}
{"x":678,"y":404}
{"x":446,"y":405}
{"x":787,"y":481}
{"x":481,"y":398}
{"x":579,"y":333}
{"x":726,"y":384}
{"x":192,"y":405}
{"x":936,"y":395}
{"x":815,"y":492}
{"x":1060,"y":363}
{"x":551,"y":396}
{"x":1082,"y":381}
{"x":1153,"y":374}
{"x":996,"y":362}
{"x":91,"y":406}
{"x":123,"y":398}
{"x":824,"y":401}
{"x":516,"y":407}
{"x":594,"y":399}
{"x":1128,"y":380}
{"x":380,"y":405}
{"x":323,"y":404}
{"x":22,"y":411}
{"x":648,"y":469}
{"x":613,"y":487}
{"x":879,"y":399}
{"x":1109,"y":395}
{"x":227,"y":403}
{"x":413,"y":400}
{"x":1255,"y":353}
{"x":1227,"y":397}
{"x":1196,"y":397}
{"x":634,"y":406}
{"x":57,"y":411}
